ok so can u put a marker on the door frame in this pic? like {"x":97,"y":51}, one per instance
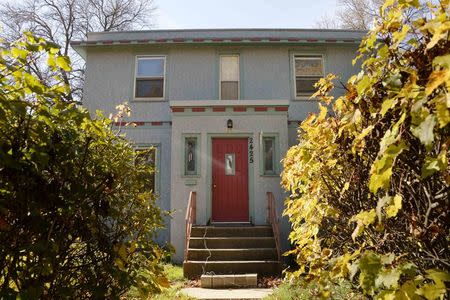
{"x":251,"y":166}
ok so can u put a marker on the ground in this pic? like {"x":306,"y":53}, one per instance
{"x":282,"y":290}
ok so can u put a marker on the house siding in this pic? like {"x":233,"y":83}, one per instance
{"x":192,"y":73}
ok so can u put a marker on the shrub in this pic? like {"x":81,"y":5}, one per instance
{"x":369,"y":180}
{"x":76,"y":214}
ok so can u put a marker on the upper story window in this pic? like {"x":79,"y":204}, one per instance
{"x":308,"y":70}
{"x":150,"y":77}
{"x":229,"y":77}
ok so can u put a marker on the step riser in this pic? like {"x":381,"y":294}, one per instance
{"x":194,"y":270}
{"x":232,"y":243}
{"x":253,"y":254}
{"x":232,"y":231}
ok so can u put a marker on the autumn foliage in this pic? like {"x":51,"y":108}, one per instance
{"x":77,"y":216}
{"x":369,"y":180}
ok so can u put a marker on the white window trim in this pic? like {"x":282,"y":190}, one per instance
{"x":220,"y":75}
{"x":136,"y":77}
{"x":305,"y":96}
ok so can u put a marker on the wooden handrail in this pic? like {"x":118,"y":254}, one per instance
{"x":190,"y":220}
{"x":272,"y":219}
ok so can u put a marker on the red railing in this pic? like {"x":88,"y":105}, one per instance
{"x":272,"y":219}
{"x":190,"y":220}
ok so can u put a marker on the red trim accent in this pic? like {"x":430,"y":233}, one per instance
{"x":255,"y":39}
{"x":198,"y":109}
{"x":91,"y":42}
{"x":236,"y":39}
{"x":156,"y":123}
{"x":161,"y":40}
{"x":240,"y":108}
{"x":348,"y":41}
{"x":198,"y":40}
{"x":281,"y":108}
{"x":178,"y":40}
{"x":177,"y":109}
{"x":217,"y":40}
{"x":125,"y":41}
{"x":311,"y":40}
{"x":293,"y":39}
{"x":219,"y":109}
{"x":331,"y":41}
{"x":108,"y":42}
{"x":138,"y":123}
{"x":261,"y":108}
{"x":143,"y":41}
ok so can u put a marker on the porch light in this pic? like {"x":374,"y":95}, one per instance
{"x":230,"y":124}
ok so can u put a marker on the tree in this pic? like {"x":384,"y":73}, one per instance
{"x":61,"y":21}
{"x":370,"y":179}
{"x":77,"y":216}
{"x":353,"y":14}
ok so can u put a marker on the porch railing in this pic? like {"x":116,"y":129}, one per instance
{"x":190,"y":220}
{"x":272,"y":219}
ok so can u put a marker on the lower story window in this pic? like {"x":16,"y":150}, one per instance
{"x":191,"y":155}
{"x":268,"y":145}
{"x":148,"y":156}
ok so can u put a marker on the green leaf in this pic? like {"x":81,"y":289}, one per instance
{"x":63,"y":62}
{"x":434,"y":164}
{"x":388,"y":279}
{"x":370,"y":266}
{"x":424,"y":132}
{"x":363,"y":84}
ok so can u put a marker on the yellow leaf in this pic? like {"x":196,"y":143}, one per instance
{"x":437,"y":77}
{"x":392,"y":210}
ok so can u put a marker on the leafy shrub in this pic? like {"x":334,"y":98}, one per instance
{"x":76,"y":215}
{"x":369,"y":180}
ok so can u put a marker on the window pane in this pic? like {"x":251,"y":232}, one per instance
{"x":190,"y":156}
{"x":149,"y":88}
{"x":148,"y":156}
{"x":152,"y":67}
{"x":229,"y":68}
{"x":229,"y":90}
{"x":305,"y":85}
{"x":269,"y":155}
{"x":310,"y":66}
{"x":229,"y":164}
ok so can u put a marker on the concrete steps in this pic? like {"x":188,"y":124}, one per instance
{"x":231,"y":250}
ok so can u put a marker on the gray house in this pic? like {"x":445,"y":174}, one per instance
{"x":221,"y":108}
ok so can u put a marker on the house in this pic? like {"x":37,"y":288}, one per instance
{"x":220,"y":106}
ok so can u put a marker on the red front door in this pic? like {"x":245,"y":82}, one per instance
{"x":230,"y":180}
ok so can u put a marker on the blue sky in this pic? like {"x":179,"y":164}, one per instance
{"x":185,"y":14}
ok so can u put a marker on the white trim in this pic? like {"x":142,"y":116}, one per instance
{"x":137,"y":57}
{"x":238,"y":73}
{"x":213,"y":103}
{"x":305,"y":96}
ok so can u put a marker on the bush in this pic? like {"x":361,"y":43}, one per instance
{"x":369,"y":182}
{"x":76,"y":214}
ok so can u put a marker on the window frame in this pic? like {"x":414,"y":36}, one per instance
{"x":184,"y":173}
{"x":276,"y":155}
{"x":157,"y":174}
{"x":305,"y":95}
{"x":238,"y":74}
{"x":136,"y":77}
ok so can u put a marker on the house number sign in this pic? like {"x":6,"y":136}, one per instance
{"x":250,"y":150}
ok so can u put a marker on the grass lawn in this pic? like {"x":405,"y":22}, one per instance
{"x":298,"y":291}
{"x":175,"y":275}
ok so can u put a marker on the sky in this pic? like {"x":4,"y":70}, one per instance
{"x":189,"y":14}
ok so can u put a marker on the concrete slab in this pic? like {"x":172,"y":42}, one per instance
{"x":243,"y":294}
